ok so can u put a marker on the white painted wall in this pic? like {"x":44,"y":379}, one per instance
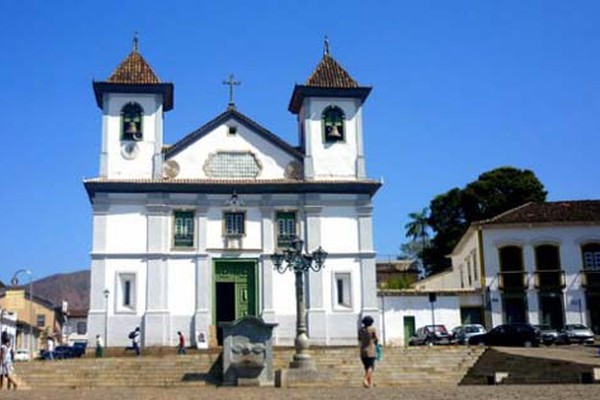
{"x":568,"y":238}
{"x":8,"y":324}
{"x":341,"y":265}
{"x":339,"y":229}
{"x":117,"y":166}
{"x":215,"y":229}
{"x":395,"y":308}
{"x":284,"y":293}
{"x":126,"y":229}
{"x":192,"y":159}
{"x":181,"y":286}
{"x":136,"y":267}
{"x":332,"y":160}
{"x":465,"y":272}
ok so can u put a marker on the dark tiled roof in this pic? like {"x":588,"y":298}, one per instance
{"x":582,"y":211}
{"x":329,"y":73}
{"x":135,"y":70}
{"x":329,"y":79}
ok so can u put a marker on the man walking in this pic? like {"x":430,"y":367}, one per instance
{"x":135,"y":340}
{"x":99,"y":347}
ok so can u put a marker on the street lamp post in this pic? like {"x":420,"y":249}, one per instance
{"x":300,"y":264}
{"x":15,"y":282}
{"x":106,"y":292}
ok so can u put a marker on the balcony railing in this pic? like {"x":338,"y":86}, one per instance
{"x":512,"y":280}
{"x":549,"y":279}
{"x":590,"y":278}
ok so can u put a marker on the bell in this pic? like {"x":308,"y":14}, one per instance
{"x":334,"y":132}
{"x":131,"y":128}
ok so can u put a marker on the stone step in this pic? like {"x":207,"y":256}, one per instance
{"x":161,"y":368}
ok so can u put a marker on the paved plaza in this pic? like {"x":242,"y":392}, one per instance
{"x":508,"y":392}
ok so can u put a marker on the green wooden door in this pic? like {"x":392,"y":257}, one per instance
{"x":409,"y":328}
{"x":239,"y":276}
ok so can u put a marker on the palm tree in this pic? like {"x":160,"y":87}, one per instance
{"x":418,"y":227}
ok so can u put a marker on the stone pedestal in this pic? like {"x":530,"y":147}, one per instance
{"x":299,"y":377}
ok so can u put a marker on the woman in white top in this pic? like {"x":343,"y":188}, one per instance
{"x":6,"y":367}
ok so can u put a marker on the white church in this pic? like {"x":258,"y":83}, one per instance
{"x":183,"y":232}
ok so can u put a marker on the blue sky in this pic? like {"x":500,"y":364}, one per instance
{"x":459,"y":88}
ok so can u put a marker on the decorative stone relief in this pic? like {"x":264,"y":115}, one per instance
{"x":232,"y":164}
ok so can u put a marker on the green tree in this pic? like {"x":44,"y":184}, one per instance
{"x":494,"y":192}
{"x":499,"y":190}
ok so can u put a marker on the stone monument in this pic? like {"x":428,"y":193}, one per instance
{"x":247,"y":352}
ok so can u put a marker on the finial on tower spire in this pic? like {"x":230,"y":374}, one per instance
{"x":326,"y":46}
{"x":136,"y":41}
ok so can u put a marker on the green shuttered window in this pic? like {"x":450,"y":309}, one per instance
{"x":286,"y":228}
{"x":183,"y":229}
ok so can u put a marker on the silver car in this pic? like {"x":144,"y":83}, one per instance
{"x":576,"y":333}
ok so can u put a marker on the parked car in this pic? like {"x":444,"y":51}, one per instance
{"x":464,"y":332}
{"x":22,"y":355}
{"x":78,"y":349}
{"x":576,"y":333}
{"x":549,"y":334}
{"x":509,"y":335}
{"x":61,"y":353}
{"x":430,"y":334}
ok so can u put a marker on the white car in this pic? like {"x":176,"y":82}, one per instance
{"x":464,"y":332}
{"x":22,"y":355}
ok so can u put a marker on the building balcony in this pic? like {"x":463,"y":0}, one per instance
{"x":512,"y":280}
{"x":590,"y":279}
{"x":549,"y":279}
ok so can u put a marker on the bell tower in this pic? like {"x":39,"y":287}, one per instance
{"x":133,"y":101}
{"x":329,"y":109}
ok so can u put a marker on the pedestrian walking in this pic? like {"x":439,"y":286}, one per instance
{"x":367,"y":337}
{"x":99,"y":347}
{"x":181,"y":345}
{"x":135,"y":340}
{"x":6,"y":365}
{"x":50,"y":347}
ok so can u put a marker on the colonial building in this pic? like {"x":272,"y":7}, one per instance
{"x":537,"y":263}
{"x":182,"y":233}
{"x":36,"y":318}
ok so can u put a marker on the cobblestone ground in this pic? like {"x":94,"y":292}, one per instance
{"x":509,"y":392}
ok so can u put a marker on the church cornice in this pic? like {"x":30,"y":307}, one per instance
{"x":303,"y":91}
{"x":164,"y":89}
{"x":228,"y":186}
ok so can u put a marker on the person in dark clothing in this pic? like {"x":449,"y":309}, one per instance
{"x":367,"y":337}
{"x":181,"y":345}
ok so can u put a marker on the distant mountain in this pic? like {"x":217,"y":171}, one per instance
{"x":73,"y":287}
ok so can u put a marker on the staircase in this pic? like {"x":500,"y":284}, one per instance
{"x":533,"y":366}
{"x":162,"y":368}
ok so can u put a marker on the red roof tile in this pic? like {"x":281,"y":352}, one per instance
{"x":134,"y":70}
{"x":329,"y":73}
{"x":585,"y":211}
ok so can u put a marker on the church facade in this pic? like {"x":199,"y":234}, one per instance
{"x":183,"y":233}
